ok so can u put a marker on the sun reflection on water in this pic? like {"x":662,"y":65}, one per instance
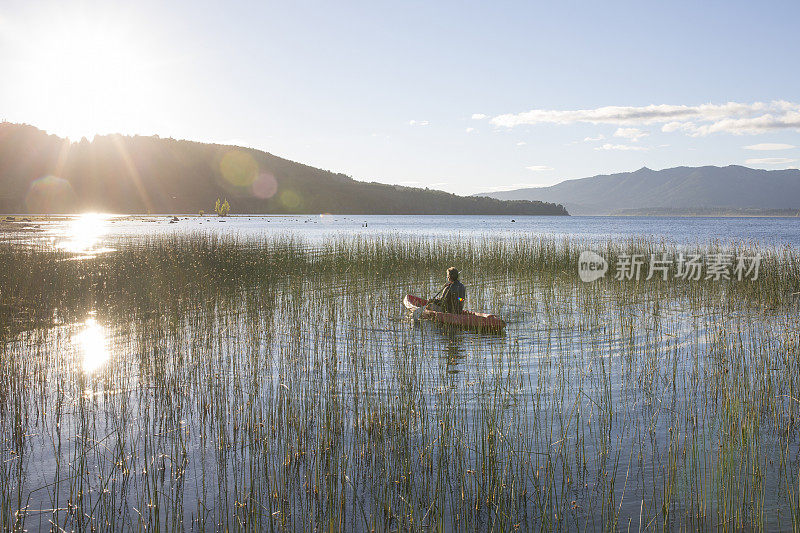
{"x":93,"y":346}
{"x":83,"y":234}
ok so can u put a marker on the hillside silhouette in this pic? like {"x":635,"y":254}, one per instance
{"x":41,"y":173}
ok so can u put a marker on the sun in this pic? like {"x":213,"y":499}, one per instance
{"x":87,"y":72}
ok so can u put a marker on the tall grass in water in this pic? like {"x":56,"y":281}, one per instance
{"x":273,"y":386}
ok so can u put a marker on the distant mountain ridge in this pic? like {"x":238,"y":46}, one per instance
{"x":41,"y":173}
{"x":708,"y":212}
{"x":681,"y":188}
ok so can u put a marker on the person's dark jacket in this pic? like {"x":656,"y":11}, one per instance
{"x":452,"y":299}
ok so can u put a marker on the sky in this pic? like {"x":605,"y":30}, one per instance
{"x":461,"y":96}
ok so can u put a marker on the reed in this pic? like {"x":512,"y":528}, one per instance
{"x":211,"y":383}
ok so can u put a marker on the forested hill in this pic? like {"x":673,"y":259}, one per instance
{"x":41,"y":173}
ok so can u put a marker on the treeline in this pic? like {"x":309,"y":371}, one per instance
{"x":41,"y":173}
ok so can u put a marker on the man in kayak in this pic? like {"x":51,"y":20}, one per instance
{"x":453,"y":294}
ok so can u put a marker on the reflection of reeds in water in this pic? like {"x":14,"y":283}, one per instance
{"x":270,"y":386}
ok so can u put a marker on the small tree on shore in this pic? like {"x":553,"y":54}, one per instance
{"x":222,"y":208}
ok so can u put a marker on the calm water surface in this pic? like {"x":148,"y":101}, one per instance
{"x":97,"y":233}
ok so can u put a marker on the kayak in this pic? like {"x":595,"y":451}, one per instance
{"x":466,"y":319}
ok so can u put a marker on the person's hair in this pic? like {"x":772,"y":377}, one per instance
{"x":452,"y":273}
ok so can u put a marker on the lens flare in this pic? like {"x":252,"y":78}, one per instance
{"x":238,"y":168}
{"x":265,"y":186}
{"x":50,"y":194}
{"x":290,"y":199}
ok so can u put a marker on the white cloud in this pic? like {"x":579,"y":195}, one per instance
{"x":539,"y":168}
{"x":418,"y":122}
{"x":669,"y":127}
{"x":633,"y":134}
{"x":624,"y":147}
{"x":479,"y":116}
{"x":470,"y":130}
{"x":769,"y":146}
{"x":599,"y":137}
{"x":770,"y":161}
{"x":732,"y":117}
{"x":521,"y":143}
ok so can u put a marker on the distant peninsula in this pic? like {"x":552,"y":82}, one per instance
{"x":42,"y":173}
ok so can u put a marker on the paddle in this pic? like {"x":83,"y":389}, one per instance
{"x":419,"y":310}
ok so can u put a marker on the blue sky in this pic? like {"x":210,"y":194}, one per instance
{"x":387,"y":91}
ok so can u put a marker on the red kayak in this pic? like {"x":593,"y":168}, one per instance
{"x":466,"y":319}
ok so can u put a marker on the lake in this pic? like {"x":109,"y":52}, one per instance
{"x":101,"y":231}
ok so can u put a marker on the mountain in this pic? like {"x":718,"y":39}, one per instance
{"x":41,"y":173}
{"x":682,"y":189}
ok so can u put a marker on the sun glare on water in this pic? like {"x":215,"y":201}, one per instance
{"x":83,"y":235}
{"x":93,"y":346}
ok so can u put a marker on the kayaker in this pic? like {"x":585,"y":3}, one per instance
{"x":453,"y":294}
